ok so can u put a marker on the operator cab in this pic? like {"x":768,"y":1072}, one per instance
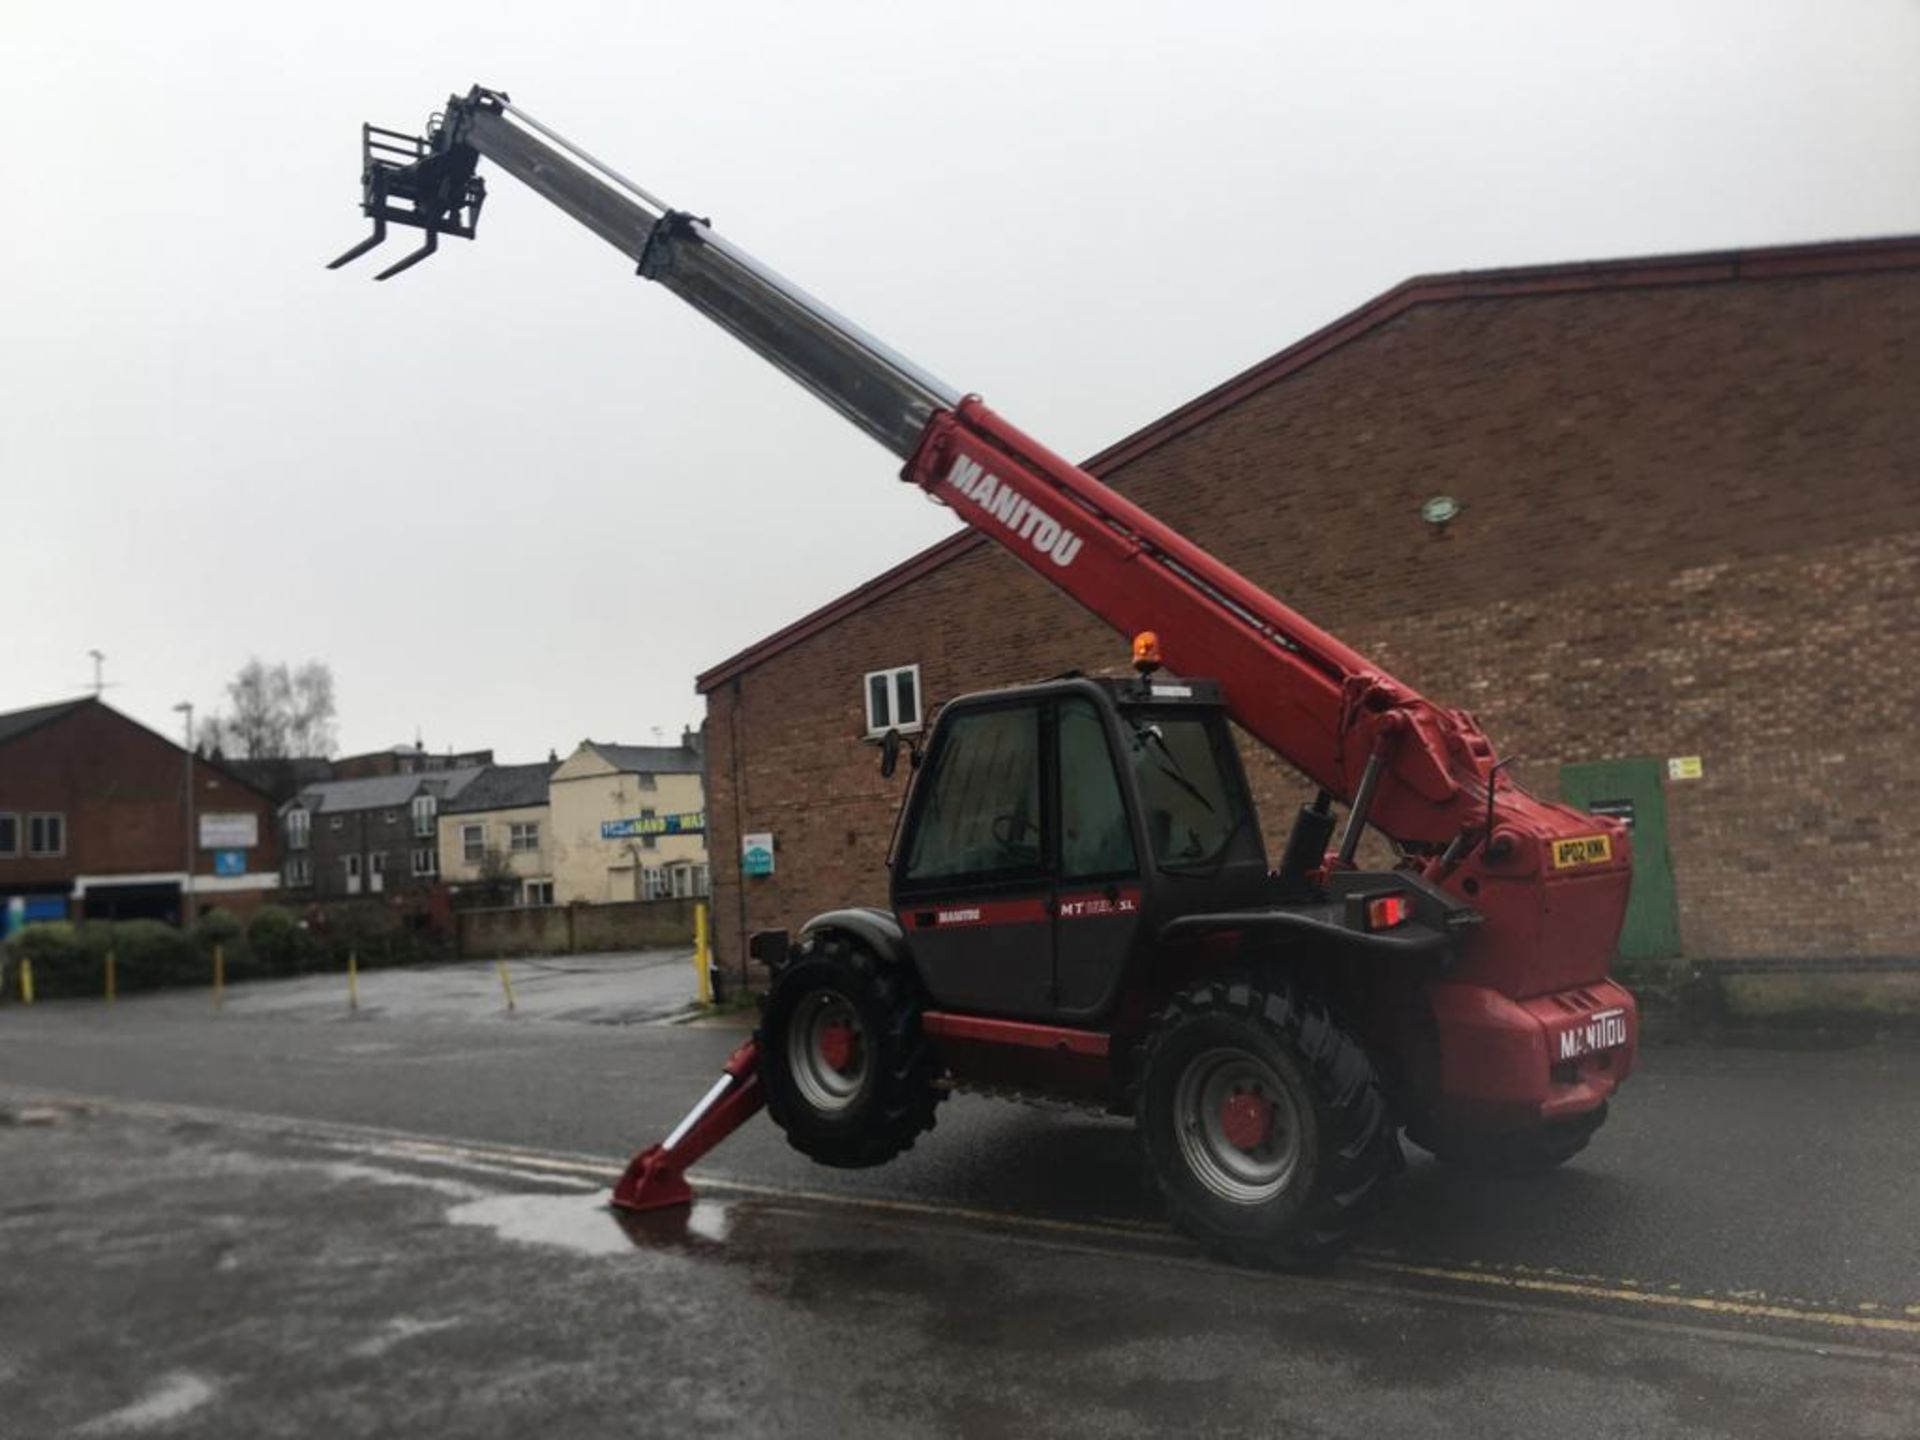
{"x":1054,"y":828}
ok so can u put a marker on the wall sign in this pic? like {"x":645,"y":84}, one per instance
{"x":229,"y":832}
{"x":756,"y":853}
{"x":1684,"y":767}
{"x":691,"y":822}
{"x":229,"y":862}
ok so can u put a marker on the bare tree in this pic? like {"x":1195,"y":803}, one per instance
{"x":274,"y":713}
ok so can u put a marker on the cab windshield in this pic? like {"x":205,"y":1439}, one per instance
{"x":1193,"y":808}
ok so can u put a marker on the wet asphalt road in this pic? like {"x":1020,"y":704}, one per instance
{"x":1747,"y":1214}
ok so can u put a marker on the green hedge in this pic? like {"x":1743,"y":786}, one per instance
{"x":71,"y":960}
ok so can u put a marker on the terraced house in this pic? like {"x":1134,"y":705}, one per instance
{"x":495,"y":837}
{"x":379,"y":836}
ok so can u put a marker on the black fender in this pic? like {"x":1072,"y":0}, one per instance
{"x":877,"y":931}
{"x":1324,"y":928}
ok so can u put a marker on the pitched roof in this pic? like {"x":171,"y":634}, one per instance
{"x":16,"y":723}
{"x":503,"y":787}
{"x":1899,"y":252}
{"x":651,"y":759}
{"x":383,"y":792}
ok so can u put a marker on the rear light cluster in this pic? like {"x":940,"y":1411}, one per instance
{"x":1386,"y":911}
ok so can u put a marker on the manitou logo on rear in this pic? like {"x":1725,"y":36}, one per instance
{"x":1013,"y":510}
{"x":969,"y":916}
{"x":1603,"y":1032}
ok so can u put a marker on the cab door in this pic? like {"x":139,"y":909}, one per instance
{"x":972,"y":884}
{"x":1097,"y":896}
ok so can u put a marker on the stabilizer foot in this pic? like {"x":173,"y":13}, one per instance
{"x":655,"y":1178}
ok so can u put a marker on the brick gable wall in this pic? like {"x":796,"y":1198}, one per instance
{"x":1692,"y":527}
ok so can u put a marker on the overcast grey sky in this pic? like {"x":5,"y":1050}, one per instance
{"x":518,"y":497}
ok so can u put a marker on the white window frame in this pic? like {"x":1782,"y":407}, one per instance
{"x":47,"y":852}
{"x":19,"y":838}
{"x":473,"y":843}
{"x":426,"y":861}
{"x":299,"y":871}
{"x":654,"y":884}
{"x":377,"y":872}
{"x":426,"y":810}
{"x":878,"y":725}
{"x":299,"y":828}
{"x":537,"y":892}
{"x":514,"y":837}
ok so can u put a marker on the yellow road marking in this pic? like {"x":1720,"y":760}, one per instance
{"x":1746,"y":1309}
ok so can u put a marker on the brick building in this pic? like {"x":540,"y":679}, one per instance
{"x":1682,"y":584}
{"x":377,"y":836}
{"x":93,"y":820}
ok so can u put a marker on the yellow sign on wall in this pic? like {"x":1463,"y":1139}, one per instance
{"x":1684,"y":767}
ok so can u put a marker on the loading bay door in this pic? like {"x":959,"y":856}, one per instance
{"x":1635,"y":791}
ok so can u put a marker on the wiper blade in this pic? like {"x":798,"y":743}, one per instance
{"x":1172,"y":769}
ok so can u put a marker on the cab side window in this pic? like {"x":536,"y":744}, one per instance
{"x":1095,"y":840}
{"x":981,"y":819}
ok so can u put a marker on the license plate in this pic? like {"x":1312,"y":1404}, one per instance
{"x":1585,"y":850}
{"x":1606,"y":1030}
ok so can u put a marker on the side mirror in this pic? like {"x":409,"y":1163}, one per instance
{"x":889,"y":754}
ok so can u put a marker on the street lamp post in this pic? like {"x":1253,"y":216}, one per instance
{"x":186,"y":880}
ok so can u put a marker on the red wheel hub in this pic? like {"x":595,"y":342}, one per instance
{"x":1246,"y":1121}
{"x":837,"y":1044}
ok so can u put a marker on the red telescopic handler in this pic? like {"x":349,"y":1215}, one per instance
{"x":1080,"y":904}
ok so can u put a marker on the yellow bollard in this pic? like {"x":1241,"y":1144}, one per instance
{"x":26,"y":981}
{"x":219,"y":974}
{"x":506,"y":984}
{"x":702,"y":954}
{"x":110,"y":960}
{"x":353,"y":979}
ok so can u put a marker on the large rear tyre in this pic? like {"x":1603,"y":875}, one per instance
{"x":1520,"y":1153}
{"x":849,"y":1076}
{"x":1263,"y":1122}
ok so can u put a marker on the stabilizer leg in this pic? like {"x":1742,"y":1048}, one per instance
{"x":655,"y":1179}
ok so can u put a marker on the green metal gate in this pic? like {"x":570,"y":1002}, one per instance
{"x":1635,"y":791}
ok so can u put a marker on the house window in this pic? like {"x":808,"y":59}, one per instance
{"x":426,"y":861}
{"x":389,"y":816}
{"x":425,"y":807}
{"x":9,"y":833}
{"x":299,"y":871}
{"x":647,"y":781}
{"x":46,"y":834}
{"x":523,"y":836}
{"x":653,"y":881}
{"x":648,"y":842}
{"x":893,"y":700}
{"x":299,"y":828}
{"x":334,"y":823}
{"x":538,"y":892}
{"x":473,"y":843}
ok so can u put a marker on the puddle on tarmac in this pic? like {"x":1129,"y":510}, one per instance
{"x":175,"y":1395}
{"x":585,"y":1224}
